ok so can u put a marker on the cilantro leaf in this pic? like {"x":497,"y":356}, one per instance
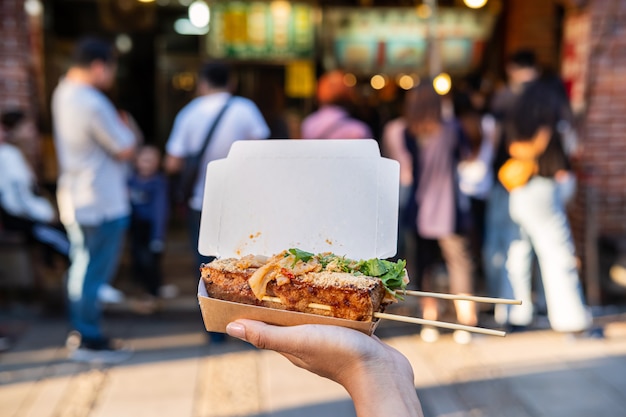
{"x":300,"y":255}
{"x":390,"y":273}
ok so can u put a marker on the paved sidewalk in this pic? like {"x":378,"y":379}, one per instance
{"x":175,"y":372}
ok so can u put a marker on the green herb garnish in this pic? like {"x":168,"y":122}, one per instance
{"x":390,"y":273}
{"x":300,"y":255}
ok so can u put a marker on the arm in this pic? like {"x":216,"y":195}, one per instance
{"x":172,"y":164}
{"x":378,"y":378}
{"x":393,"y":147}
{"x":110,"y":131}
{"x":176,"y":147}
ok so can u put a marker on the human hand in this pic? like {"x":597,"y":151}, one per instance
{"x":156,"y":246}
{"x":378,"y":378}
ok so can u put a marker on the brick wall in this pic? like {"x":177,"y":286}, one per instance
{"x":599,"y":215}
{"x":604,"y":131}
{"x":16,"y":81}
{"x":533,"y":24}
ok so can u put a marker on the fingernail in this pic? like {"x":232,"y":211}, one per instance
{"x":236,"y":330}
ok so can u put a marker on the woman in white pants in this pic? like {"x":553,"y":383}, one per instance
{"x":536,"y":206}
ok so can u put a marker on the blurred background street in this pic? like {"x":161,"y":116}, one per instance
{"x":476,"y":57}
{"x":175,"y":371}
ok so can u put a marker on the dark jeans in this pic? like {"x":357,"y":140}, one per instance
{"x":94,"y":253}
{"x":145,"y":262}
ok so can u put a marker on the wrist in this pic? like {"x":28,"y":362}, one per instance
{"x":383,"y":388}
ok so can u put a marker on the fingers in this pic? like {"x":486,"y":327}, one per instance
{"x":261,"y":335}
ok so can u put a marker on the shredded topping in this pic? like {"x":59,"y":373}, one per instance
{"x":294,"y":262}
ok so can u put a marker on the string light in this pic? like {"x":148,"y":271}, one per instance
{"x":442,"y":84}
{"x":475,"y":4}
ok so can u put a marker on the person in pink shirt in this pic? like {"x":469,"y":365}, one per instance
{"x":332,"y":120}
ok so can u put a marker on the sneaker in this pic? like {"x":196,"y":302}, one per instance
{"x":168,"y":291}
{"x":5,"y":343}
{"x":514,"y":328}
{"x":73,"y":340}
{"x":103,"y":351}
{"x":429,"y":334}
{"x":593,"y":333}
{"x":108,"y":294}
{"x":462,"y":337}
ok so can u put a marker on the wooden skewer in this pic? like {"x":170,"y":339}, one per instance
{"x":460,"y":297}
{"x":443,"y":324}
{"x":405,"y":319}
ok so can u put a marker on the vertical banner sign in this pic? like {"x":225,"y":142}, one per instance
{"x":575,"y":60}
{"x":300,"y":79}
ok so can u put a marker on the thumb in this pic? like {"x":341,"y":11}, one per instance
{"x":259,"y":334}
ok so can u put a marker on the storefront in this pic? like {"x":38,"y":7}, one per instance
{"x":281,"y":47}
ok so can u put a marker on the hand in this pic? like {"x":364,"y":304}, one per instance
{"x":378,"y":378}
{"x":156,"y":246}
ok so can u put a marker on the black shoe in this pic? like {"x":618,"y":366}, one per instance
{"x":102,"y":350}
{"x":5,"y":343}
{"x":514,"y":328}
{"x":593,"y":333}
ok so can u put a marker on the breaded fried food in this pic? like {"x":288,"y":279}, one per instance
{"x":323,"y":284}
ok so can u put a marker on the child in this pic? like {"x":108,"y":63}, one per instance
{"x":148,"y":198}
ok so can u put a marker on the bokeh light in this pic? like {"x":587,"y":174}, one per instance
{"x":349,"y":79}
{"x":123,"y":43}
{"x":378,"y":82}
{"x":475,"y":4}
{"x":199,"y":14}
{"x":442,"y":84}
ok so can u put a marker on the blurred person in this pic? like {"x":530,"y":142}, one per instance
{"x":475,"y":168}
{"x":148,"y":190}
{"x":378,"y":378}
{"x":393,"y":146}
{"x":241,"y":120}
{"x":332,"y":119}
{"x":93,"y":145}
{"x":438,"y":213}
{"x":504,"y":251}
{"x":22,"y":207}
{"x":221,"y":118}
{"x":535,"y":204}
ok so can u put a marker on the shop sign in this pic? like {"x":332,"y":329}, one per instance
{"x":300,"y":79}
{"x":398,"y":39}
{"x":261,"y":30}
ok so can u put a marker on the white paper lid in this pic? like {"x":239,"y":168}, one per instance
{"x":336,"y":196}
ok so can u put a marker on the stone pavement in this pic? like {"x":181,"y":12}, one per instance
{"x":175,"y":372}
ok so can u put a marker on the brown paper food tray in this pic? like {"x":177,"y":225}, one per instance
{"x":218,"y":313}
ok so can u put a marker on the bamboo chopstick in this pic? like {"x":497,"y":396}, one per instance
{"x":460,"y":297}
{"x":443,"y":324}
{"x":406,"y":319}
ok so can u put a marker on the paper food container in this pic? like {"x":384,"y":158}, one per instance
{"x":335,"y":196}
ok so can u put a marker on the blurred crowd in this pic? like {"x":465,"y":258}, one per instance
{"x":485,"y":180}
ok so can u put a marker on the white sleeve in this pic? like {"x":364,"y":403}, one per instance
{"x":258,"y":128}
{"x":109,"y":129}
{"x":20,"y":199}
{"x":176,"y":144}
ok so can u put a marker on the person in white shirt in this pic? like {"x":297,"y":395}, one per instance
{"x":241,"y":120}
{"x":222,"y":117}
{"x":93,"y":145}
{"x":23,"y":209}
